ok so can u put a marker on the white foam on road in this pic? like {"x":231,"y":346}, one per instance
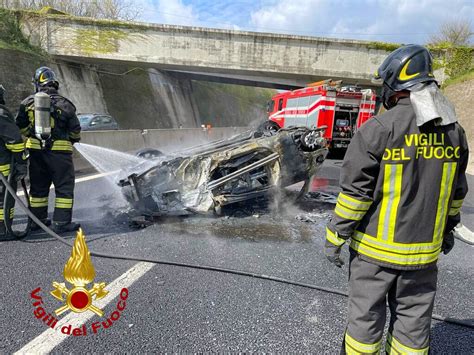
{"x":51,"y":338}
{"x":463,"y":233}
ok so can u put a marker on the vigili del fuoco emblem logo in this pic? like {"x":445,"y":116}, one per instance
{"x":79,"y":298}
{"x":79,"y":271}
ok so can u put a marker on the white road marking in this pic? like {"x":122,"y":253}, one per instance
{"x":95,"y":176}
{"x":81,"y":179}
{"x":463,"y":233}
{"x":51,"y":338}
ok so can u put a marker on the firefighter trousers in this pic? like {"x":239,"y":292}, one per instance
{"x":3,"y":191}
{"x":410,"y":295}
{"x":48,"y":167}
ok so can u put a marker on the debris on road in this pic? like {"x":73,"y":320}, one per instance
{"x":314,"y":217}
{"x":322,"y":197}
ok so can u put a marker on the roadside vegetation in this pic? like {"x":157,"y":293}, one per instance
{"x":454,"y":50}
{"x":460,"y":78}
{"x":11,"y":36}
{"x":126,"y":10}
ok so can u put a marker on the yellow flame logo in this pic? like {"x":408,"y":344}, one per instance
{"x":79,"y":271}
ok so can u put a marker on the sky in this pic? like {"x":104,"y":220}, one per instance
{"x":398,"y":21}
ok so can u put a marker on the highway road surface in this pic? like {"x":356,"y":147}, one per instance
{"x":174,"y":309}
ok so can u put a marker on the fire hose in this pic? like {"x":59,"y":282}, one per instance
{"x":459,"y":322}
{"x":9,"y":202}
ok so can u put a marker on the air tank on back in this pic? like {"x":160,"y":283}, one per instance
{"x":42,"y":116}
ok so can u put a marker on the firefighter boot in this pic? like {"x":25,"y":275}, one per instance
{"x":35,"y":227}
{"x":64,"y":227}
{"x":3,"y":231}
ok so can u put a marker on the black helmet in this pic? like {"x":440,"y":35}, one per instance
{"x":403,"y":68}
{"x":44,"y":76}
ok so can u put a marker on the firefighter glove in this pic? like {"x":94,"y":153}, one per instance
{"x":333,"y":254}
{"x":20,"y":171}
{"x":448,"y":243}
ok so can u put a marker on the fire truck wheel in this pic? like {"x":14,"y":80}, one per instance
{"x":268,"y":127}
{"x":149,"y":153}
{"x":311,"y":140}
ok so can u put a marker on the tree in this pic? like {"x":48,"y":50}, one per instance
{"x":104,"y":9}
{"x":454,"y":33}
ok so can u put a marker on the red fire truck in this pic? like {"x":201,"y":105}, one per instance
{"x":325,"y":103}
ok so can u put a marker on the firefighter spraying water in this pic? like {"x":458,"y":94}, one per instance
{"x":51,"y":126}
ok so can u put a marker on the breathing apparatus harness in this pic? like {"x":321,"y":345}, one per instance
{"x":12,"y":192}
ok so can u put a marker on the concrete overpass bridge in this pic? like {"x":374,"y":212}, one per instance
{"x":249,"y":58}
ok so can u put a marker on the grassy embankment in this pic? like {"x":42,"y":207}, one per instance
{"x":459,"y":91}
{"x":11,"y":36}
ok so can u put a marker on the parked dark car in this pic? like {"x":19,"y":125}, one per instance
{"x":97,"y":121}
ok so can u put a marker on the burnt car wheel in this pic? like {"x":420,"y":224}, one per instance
{"x":311,"y":140}
{"x":149,"y":153}
{"x":268,"y":127}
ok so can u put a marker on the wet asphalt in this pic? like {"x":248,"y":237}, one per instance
{"x":173,"y":309}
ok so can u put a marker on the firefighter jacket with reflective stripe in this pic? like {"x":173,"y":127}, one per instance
{"x":402,"y":189}
{"x":65,"y":126}
{"x":11,"y":142}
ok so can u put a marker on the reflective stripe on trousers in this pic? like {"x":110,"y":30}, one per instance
{"x":394,"y":347}
{"x":61,"y":202}
{"x":353,"y":346}
{"x":2,"y":213}
{"x":5,"y":169}
{"x":370,"y":287}
{"x":38,"y":201}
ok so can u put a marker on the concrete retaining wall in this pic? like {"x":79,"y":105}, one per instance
{"x":166,"y":140}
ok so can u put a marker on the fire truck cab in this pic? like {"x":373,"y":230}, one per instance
{"x":342,"y":109}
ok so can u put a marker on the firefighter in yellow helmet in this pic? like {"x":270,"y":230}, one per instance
{"x":403,"y":183}
{"x":49,"y":121}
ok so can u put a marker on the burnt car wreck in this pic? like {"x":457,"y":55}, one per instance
{"x":207,"y":177}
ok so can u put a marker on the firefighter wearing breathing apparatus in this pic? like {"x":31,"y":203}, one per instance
{"x":403,"y":183}
{"x":11,"y":152}
{"x":51,"y":126}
